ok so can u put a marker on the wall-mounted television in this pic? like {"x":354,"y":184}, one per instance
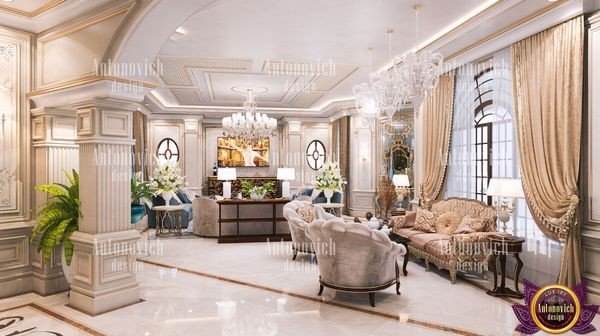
{"x":236,"y":153}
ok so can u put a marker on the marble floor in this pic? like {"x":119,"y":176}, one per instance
{"x":194,"y":286}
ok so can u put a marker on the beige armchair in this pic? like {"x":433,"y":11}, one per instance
{"x":206,"y":217}
{"x":354,"y":258}
{"x":294,"y":212}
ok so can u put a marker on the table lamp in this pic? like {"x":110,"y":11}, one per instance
{"x":506,"y":190}
{"x":226,"y":175}
{"x":402,"y":184}
{"x":285,"y":175}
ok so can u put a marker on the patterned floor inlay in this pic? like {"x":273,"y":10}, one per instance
{"x":395,"y":317}
{"x":38,"y":320}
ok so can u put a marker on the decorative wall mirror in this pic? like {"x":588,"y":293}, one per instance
{"x":167,"y":150}
{"x":398,"y":154}
{"x":316,"y":154}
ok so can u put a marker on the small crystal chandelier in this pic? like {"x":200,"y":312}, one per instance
{"x":365,"y":96}
{"x":387,"y":86}
{"x":418,"y":74}
{"x":249,"y":125}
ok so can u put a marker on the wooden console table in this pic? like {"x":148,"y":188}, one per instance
{"x":237,"y":238}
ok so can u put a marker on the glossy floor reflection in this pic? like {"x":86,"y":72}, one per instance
{"x":194,"y":286}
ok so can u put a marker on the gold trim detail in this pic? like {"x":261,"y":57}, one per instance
{"x":505,"y":29}
{"x":88,"y":80}
{"x":48,"y":6}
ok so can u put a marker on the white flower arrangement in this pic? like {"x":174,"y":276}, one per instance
{"x":329,"y":177}
{"x":166,"y":177}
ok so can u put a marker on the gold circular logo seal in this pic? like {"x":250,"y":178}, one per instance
{"x":555,"y":309}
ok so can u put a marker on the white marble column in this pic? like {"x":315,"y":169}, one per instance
{"x":292,"y":151}
{"x":54,"y":150}
{"x":194,"y":166}
{"x":103,"y":277}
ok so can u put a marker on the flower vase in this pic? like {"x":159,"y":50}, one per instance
{"x":167,"y":195}
{"x":328,"y":194}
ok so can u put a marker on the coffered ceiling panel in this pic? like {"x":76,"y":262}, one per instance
{"x":175,"y":72}
{"x":303,"y":54}
{"x":187,"y":96}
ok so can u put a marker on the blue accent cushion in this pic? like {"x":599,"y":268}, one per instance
{"x":183,"y":197}
{"x":336,"y":198}
{"x":158,"y":200}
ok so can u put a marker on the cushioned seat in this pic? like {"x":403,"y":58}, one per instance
{"x":421,"y":240}
{"x":439,"y":248}
{"x":354,"y":258}
{"x":408,"y":232}
{"x":297,"y":214}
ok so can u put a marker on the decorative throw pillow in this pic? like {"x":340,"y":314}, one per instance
{"x":470,"y":225}
{"x":307,"y":213}
{"x":447,"y":222}
{"x":425,"y":221}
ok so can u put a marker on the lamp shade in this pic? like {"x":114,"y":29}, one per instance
{"x":286,"y":174}
{"x":226,"y":174}
{"x":401,"y":180}
{"x":505,"y":187}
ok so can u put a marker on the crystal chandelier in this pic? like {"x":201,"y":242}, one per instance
{"x":387,"y":86}
{"x":249,"y":125}
{"x":365,"y":97}
{"x":418,"y":74}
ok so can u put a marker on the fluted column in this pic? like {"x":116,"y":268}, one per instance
{"x":54,"y":150}
{"x":103,"y":277}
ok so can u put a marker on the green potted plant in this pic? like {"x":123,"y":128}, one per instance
{"x":257,"y":192}
{"x":140,"y":192}
{"x":58,"y":219}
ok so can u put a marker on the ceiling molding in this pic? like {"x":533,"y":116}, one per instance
{"x":513,"y":25}
{"x":30,"y":14}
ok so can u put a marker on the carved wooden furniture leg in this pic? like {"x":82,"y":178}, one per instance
{"x":406,"y":256}
{"x":453,"y":276}
{"x":518,"y":268}
{"x":494,"y":271}
{"x":398,"y":278}
{"x":295,"y":253}
{"x":320,"y":290}
{"x":372,"y":299}
{"x":426,"y":265}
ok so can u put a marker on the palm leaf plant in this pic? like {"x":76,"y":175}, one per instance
{"x":141,"y":191}
{"x":59,"y":217}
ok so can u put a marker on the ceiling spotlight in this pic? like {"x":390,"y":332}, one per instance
{"x":177,"y":35}
{"x":7,"y":0}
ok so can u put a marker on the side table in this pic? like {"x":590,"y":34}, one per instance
{"x":333,"y":208}
{"x":403,"y":241}
{"x":501,"y":246}
{"x":174,"y":214}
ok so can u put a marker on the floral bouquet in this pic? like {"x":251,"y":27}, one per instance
{"x":166,"y":178}
{"x":329,"y":178}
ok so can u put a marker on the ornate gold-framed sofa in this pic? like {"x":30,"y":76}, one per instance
{"x":453,"y":251}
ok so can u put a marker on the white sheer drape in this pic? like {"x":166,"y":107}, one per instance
{"x":541,"y":256}
{"x":460,"y":165}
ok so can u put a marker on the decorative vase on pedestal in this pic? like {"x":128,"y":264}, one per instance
{"x":167,"y":195}
{"x":328,"y":194}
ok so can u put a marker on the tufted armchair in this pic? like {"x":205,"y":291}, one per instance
{"x":299,"y":214}
{"x":354,"y":258}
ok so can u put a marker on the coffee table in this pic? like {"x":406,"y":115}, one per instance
{"x":403,"y":241}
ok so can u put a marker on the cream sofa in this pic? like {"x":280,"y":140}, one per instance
{"x":293,"y":213}
{"x":454,"y":252}
{"x":354,"y":258}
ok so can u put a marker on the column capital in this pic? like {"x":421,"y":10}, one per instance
{"x":105,"y":121}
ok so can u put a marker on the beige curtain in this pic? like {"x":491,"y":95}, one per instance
{"x":548,"y":90}
{"x":437,"y":126}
